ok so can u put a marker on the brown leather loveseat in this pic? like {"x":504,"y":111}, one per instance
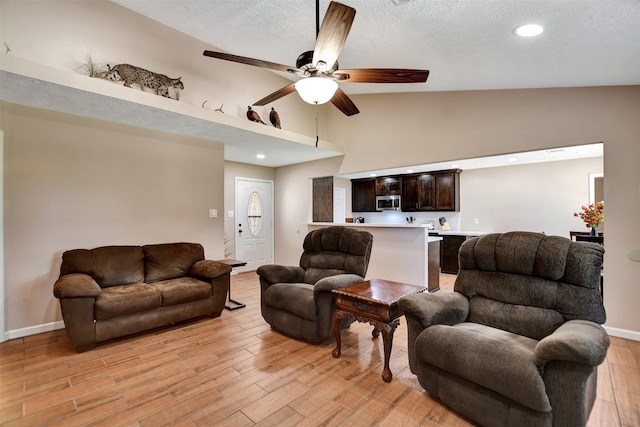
{"x":112,"y":291}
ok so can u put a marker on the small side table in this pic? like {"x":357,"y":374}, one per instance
{"x":376,"y":302}
{"x":233,"y":263}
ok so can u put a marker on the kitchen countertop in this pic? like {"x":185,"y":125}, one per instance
{"x":467,"y":233}
{"x":372,"y":225}
{"x":381,"y":225}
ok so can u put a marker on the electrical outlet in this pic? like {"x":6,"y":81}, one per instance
{"x":230,"y":214}
{"x":476,"y":221}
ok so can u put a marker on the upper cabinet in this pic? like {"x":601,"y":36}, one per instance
{"x":429,"y":191}
{"x":389,"y":186}
{"x":363,"y":195}
{"x":432,"y":191}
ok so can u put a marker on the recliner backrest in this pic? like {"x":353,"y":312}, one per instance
{"x":335,"y":250}
{"x":529,"y":283}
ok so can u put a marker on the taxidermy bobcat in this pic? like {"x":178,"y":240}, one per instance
{"x":144,"y":78}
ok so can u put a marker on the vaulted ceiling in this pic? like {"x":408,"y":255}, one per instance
{"x":466,"y":44}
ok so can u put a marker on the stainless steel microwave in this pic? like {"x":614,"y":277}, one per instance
{"x":388,"y":203}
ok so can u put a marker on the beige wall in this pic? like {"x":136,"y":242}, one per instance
{"x":535,"y":197}
{"x":78,"y":183}
{"x":408,"y":129}
{"x":392,"y":130}
{"x":62,"y":34}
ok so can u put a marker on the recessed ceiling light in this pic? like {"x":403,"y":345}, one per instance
{"x":260,"y":156}
{"x":529,"y":30}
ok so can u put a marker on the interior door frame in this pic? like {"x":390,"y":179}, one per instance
{"x":236,"y":217}
{"x":3,"y":335}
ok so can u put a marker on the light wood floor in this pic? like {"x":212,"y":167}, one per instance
{"x":236,"y":371}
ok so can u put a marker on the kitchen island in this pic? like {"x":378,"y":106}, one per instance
{"x":401,"y":252}
{"x":450,"y":246}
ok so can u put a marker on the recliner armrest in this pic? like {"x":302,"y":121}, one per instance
{"x":208,"y":269}
{"x":579,"y":341}
{"x":76,"y":285}
{"x":334,"y":282}
{"x":272,"y":273}
{"x":436,"y":309}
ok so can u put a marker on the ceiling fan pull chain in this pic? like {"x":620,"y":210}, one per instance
{"x":317,"y":136}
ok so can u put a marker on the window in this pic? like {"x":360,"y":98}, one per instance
{"x":254,"y":214}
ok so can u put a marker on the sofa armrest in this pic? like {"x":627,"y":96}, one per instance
{"x":273,"y":273}
{"x":76,"y":285}
{"x":434,"y":309}
{"x":334,"y":282}
{"x":208,"y":269}
{"x":578,"y":341}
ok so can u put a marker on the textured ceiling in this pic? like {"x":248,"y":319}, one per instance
{"x":466,"y":44}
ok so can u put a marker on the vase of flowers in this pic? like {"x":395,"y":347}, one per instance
{"x":592,"y":215}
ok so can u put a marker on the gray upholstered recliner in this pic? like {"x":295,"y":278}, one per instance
{"x":519,"y":340}
{"x":298,"y":301}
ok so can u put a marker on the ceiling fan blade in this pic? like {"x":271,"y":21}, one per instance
{"x":333,"y":34}
{"x":276,"y":95}
{"x":382,"y":75}
{"x":344,"y":103}
{"x":251,"y":61}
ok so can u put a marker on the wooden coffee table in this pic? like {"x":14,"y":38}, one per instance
{"x":376,"y":302}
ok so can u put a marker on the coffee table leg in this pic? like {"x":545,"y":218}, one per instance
{"x":336,"y":332}
{"x":387,"y":330}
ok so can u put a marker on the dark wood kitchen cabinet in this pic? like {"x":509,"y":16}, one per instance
{"x":389,"y":186}
{"x":363,"y":195}
{"x":449,"y":248}
{"x":322,"y":203}
{"x":433,"y":191}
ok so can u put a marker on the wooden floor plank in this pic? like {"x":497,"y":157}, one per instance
{"x":234,"y":370}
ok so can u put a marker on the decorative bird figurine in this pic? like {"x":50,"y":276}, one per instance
{"x":253,"y":116}
{"x":274,"y":118}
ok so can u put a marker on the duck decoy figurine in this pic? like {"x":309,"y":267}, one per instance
{"x":253,"y":116}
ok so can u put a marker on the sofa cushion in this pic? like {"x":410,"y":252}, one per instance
{"x":312,"y":275}
{"x":296,"y":298}
{"x":108,"y":265}
{"x":181,"y":290}
{"x":170,"y":260}
{"x":117,"y":301}
{"x":495,"y":359}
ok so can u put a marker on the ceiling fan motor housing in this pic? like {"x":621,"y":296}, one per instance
{"x":305,"y":63}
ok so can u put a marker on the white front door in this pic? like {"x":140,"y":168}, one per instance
{"x":254,"y":222}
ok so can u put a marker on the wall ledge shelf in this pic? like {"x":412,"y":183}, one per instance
{"x":36,"y":85}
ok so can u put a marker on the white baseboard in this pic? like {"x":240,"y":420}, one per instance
{"x":53,"y":326}
{"x":33,"y":330}
{"x":623,"y":333}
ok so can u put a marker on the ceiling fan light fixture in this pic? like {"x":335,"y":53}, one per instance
{"x":316,"y":90}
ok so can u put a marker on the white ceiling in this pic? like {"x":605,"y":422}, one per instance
{"x":466,"y":44}
{"x":511,"y":159}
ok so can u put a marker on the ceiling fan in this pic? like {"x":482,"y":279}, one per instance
{"x":319,"y":67}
